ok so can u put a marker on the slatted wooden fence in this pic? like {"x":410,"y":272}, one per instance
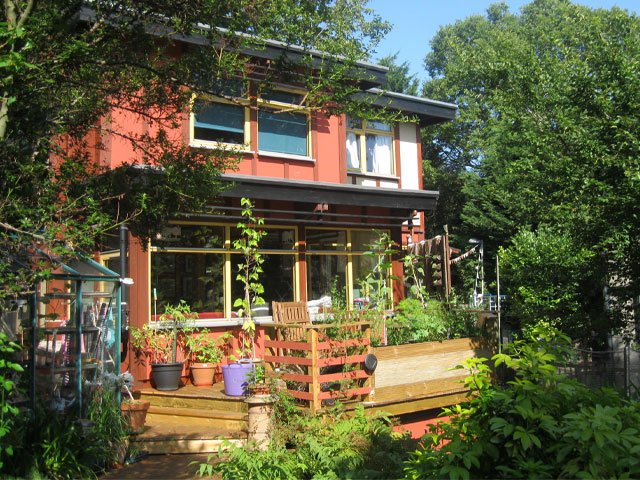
{"x":304,"y":351}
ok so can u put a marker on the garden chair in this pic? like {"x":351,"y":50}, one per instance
{"x":291,"y":313}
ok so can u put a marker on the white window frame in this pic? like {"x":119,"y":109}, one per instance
{"x":368,"y":128}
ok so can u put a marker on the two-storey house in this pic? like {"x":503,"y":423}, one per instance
{"x":322,"y":184}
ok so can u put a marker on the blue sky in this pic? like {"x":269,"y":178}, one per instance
{"x":415,"y":23}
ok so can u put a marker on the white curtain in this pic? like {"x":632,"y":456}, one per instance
{"x":379,"y":156}
{"x":353,"y":151}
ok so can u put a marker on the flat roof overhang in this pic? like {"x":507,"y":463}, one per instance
{"x":427,"y":111}
{"x":304,"y":191}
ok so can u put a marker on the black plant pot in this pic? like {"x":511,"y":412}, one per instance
{"x":166,"y":376}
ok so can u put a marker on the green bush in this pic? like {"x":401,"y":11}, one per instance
{"x":322,"y":446}
{"x":10,"y":370}
{"x":56,"y":446}
{"x":432,"y":321}
{"x":540,"y":425}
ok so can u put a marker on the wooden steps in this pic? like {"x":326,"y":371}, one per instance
{"x":192,"y":420}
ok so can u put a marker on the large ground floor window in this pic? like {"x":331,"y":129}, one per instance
{"x":197,"y":263}
{"x":338,"y":265}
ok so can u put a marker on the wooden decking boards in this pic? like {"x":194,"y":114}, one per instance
{"x":192,"y":420}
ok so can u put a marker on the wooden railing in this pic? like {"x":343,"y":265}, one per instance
{"x":321,"y":362}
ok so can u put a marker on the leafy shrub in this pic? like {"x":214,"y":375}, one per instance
{"x":432,"y":321}
{"x":52,"y":445}
{"x":319,"y":446}
{"x":548,"y":276}
{"x":541,"y":424}
{"x":9,"y":370}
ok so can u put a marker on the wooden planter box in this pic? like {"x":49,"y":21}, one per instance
{"x":422,"y":371}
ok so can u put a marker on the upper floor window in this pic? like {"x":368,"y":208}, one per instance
{"x":219,"y":122}
{"x":369,"y":146}
{"x":283,"y":123}
{"x":223,"y":119}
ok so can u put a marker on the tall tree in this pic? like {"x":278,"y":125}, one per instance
{"x":398,"y":78}
{"x":66,"y":68}
{"x":549,"y":130}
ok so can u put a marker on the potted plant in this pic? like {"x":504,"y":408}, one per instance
{"x":257,"y":383}
{"x":133,"y":410}
{"x":206,"y":353}
{"x":158,"y":341}
{"x":249,"y":271}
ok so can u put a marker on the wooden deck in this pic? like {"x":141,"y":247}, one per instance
{"x":409,"y":379}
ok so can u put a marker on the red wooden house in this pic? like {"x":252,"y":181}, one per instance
{"x":322,"y":184}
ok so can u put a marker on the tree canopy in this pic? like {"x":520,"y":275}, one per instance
{"x":65,"y":69}
{"x":547,"y":136}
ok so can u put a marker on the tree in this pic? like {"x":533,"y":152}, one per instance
{"x":548,"y":278}
{"x":398,"y":78}
{"x":67,"y":68}
{"x":547,"y":129}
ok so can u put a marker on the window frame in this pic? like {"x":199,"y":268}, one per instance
{"x":228,"y":251}
{"x":239,"y":102}
{"x":361,"y":133}
{"x":268,"y":104}
{"x":349,"y":252}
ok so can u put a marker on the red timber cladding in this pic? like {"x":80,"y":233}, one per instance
{"x":329,"y":149}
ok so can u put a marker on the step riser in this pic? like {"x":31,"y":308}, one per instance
{"x":183,"y":446}
{"x":200,"y":403}
{"x":227,"y":424}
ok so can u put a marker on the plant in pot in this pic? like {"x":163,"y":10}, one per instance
{"x":258,"y":382}
{"x":206,"y":353}
{"x":159,"y":340}
{"x":249,"y":271}
{"x":133,"y":410}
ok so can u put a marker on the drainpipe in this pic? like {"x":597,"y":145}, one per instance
{"x":124,"y":289}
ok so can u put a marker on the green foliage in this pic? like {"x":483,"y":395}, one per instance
{"x":398,"y":78}
{"x":249,"y":273}
{"x":67,"y":74}
{"x":547,"y":132}
{"x":549,"y":278}
{"x":53,"y":446}
{"x":9,"y":369}
{"x":377,"y":282}
{"x":205,"y":348}
{"x":56,"y":446}
{"x":159,"y":340}
{"x":414,"y":277}
{"x":432,"y":321}
{"x":109,"y":433}
{"x":540,"y":425}
{"x":320,"y":446}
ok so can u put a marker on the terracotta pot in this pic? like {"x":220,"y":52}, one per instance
{"x":136,"y":413}
{"x":259,"y":389}
{"x":202,"y":374}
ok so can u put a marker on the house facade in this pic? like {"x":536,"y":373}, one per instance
{"x":322,"y":184}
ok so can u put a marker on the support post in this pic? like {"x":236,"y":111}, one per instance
{"x":315,"y":371}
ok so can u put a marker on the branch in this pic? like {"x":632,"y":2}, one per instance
{"x":23,"y":232}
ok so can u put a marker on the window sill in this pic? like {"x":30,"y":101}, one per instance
{"x":386,"y":176}
{"x":286,"y":156}
{"x":230,"y":147}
